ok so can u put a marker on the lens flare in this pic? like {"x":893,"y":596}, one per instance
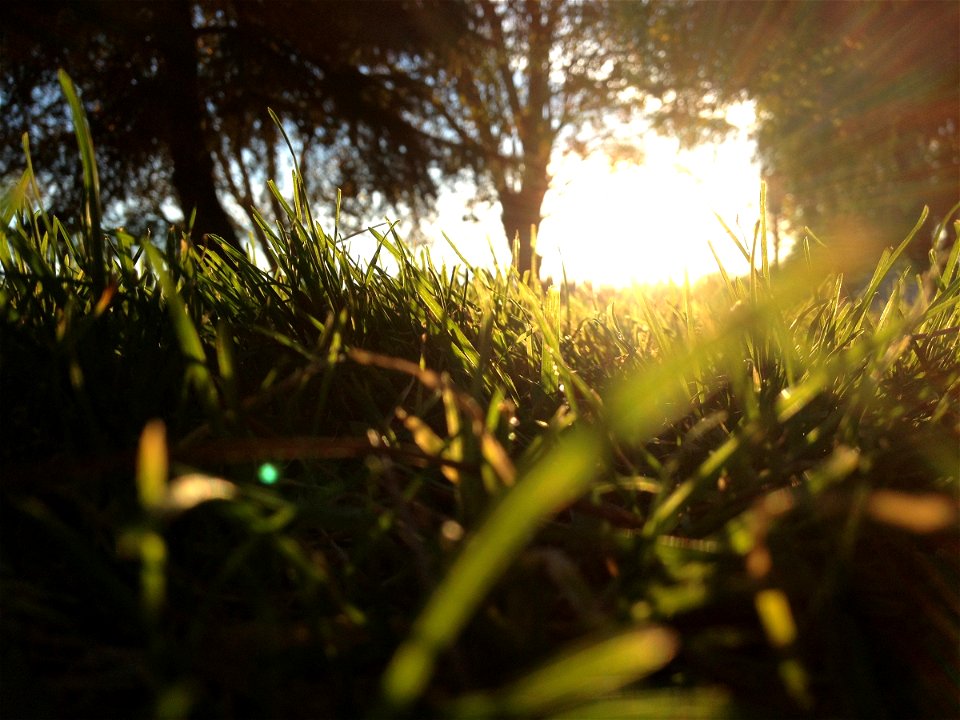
{"x":268,"y":474}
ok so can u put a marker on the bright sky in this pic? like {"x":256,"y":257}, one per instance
{"x":644,"y":223}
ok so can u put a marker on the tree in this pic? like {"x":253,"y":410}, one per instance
{"x":177,"y":94}
{"x":137,"y":64}
{"x":858,"y":106}
{"x":390,"y":98}
{"x":528,"y":79}
{"x":310,"y":62}
{"x":864,"y":131}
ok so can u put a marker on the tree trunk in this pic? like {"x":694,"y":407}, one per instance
{"x":193,"y":173}
{"x":521,"y":219}
{"x":521,"y":209}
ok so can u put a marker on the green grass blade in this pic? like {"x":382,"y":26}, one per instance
{"x":691,"y":704}
{"x":91,"y":184}
{"x":764,"y":253}
{"x":14,"y":199}
{"x":732,"y":235}
{"x":152,"y":467}
{"x":883,"y":269}
{"x":560,"y":478}
{"x":581,"y":674}
{"x":190,"y":344}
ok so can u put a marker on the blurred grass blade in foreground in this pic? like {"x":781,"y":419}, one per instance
{"x":557,"y":480}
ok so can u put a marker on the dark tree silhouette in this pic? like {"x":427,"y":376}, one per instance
{"x":528,"y":79}
{"x":136,"y":65}
{"x":193,"y":174}
{"x":177,"y":94}
{"x":384,"y":99}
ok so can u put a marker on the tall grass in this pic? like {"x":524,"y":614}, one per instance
{"x":329,"y":490}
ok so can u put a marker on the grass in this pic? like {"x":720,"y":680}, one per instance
{"x":326,"y":490}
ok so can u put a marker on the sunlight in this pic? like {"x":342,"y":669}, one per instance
{"x":651,"y":222}
{"x":645,"y":223}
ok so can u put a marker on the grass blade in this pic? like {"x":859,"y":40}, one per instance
{"x":561,"y":477}
{"x":91,"y":184}
{"x":580,"y":674}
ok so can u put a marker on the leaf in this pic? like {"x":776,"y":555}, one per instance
{"x":91,"y":183}
{"x":560,"y":478}
{"x":583,"y":673}
{"x":915,"y":512}
{"x":188,"y":491}
{"x":672,"y":704}
{"x":152,"y":466}
{"x":190,"y":343}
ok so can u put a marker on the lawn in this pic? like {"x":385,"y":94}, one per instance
{"x":329,"y":490}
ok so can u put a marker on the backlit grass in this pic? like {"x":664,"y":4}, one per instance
{"x":326,"y":490}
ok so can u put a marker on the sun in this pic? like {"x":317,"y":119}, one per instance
{"x":646,"y":223}
{"x":651,"y":223}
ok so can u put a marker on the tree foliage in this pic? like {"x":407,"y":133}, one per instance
{"x":858,"y":106}
{"x":177,"y":93}
{"x":136,"y":65}
{"x":861,"y":129}
{"x":382,"y":99}
{"x":311,"y":62}
{"x":531,"y":79}
{"x":857,"y":102}
{"x":526,"y":77}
